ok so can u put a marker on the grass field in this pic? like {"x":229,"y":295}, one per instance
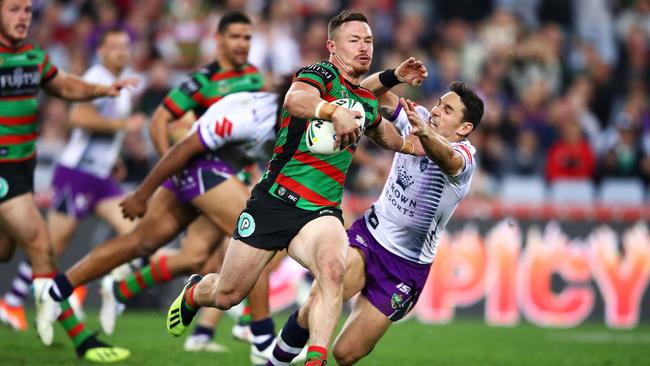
{"x":464,"y":342}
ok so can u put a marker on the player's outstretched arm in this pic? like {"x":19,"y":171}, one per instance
{"x":86,"y":116}
{"x":411,"y":72}
{"x":72,"y":87}
{"x":304,"y":101}
{"x":436,"y":147}
{"x":135,"y":204}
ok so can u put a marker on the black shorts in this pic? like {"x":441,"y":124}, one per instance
{"x":16,"y":179}
{"x":269,"y":223}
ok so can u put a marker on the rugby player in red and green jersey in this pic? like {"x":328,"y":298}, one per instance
{"x":295,"y":206}
{"x":229,"y":73}
{"x":24,"y":69}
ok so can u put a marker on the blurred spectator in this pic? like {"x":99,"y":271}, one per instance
{"x":637,"y":15}
{"x":526,"y":157}
{"x":571,"y":156}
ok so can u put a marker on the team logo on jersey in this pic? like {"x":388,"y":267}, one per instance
{"x":403,"y":179}
{"x":4,"y":187}
{"x":2,"y":60}
{"x":396,"y":301}
{"x":246,"y":225}
{"x":424,"y":163}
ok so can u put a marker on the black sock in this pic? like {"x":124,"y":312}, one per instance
{"x":263,"y":332}
{"x":62,"y":288}
{"x":205,"y":331}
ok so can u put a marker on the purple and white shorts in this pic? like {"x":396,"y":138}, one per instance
{"x":77,"y":193}
{"x":198,"y":177}
{"x":393,"y":284}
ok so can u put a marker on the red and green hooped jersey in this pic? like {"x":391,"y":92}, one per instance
{"x":22,"y":72}
{"x":304,"y":179}
{"x":208,"y":85}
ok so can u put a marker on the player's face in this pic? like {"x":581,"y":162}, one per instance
{"x":115,"y":51}
{"x":352,"y":45}
{"x":235,"y":43}
{"x":447,"y":117}
{"x":15,"y":19}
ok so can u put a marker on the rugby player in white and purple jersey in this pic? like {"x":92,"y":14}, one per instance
{"x":394,"y":244}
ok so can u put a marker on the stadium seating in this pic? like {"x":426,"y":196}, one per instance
{"x":572,"y":192}
{"x":517,"y":189}
{"x":621,"y":191}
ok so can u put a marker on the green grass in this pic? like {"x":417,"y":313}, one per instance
{"x":464,"y":342}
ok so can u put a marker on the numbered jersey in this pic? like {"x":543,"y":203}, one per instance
{"x":96,"y":152}
{"x":240,"y":129}
{"x":418,"y":200}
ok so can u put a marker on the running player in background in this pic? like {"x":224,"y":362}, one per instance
{"x":229,"y":73}
{"x":25,"y":69}
{"x":393,"y":245}
{"x":296,"y":204}
{"x":82,"y":181}
{"x":234,"y":132}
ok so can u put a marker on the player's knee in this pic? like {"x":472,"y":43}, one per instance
{"x":345,"y":357}
{"x":349,"y":355}
{"x":331,"y":270}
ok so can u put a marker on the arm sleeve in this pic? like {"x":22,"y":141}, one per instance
{"x":318,"y":76}
{"x":49,"y":71}
{"x":186,"y":96}
{"x":215,"y":128}
{"x":467,"y":151}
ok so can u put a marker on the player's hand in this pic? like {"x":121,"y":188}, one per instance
{"x":418,"y":126}
{"x":133,"y":206}
{"x":114,"y":90}
{"x":345,"y":126}
{"x":411,"y":72}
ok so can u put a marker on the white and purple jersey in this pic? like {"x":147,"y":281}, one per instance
{"x":418,"y":200}
{"x":240,"y":128}
{"x":96,"y":152}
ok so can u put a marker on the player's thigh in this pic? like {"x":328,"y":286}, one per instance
{"x":7,"y":247}
{"x":20,"y":218}
{"x":61,"y":228}
{"x":320,"y":245}
{"x":361,"y":332}
{"x":201,"y":237}
{"x":109,"y":211}
{"x":164,"y":219}
{"x":241,"y":267}
{"x":223,"y":203}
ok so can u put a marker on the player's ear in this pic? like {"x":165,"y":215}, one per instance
{"x":331,"y":46}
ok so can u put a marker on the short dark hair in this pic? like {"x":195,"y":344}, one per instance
{"x":342,"y":18}
{"x":109,"y":31}
{"x":232,"y":17}
{"x":473,"y":111}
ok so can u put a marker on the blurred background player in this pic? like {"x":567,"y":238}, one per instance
{"x":26,"y":68}
{"x":82,"y":179}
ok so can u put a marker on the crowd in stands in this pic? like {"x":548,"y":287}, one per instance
{"x":565,"y":82}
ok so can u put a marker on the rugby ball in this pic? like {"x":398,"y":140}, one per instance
{"x":320,"y":134}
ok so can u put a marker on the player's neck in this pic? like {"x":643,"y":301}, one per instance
{"x":346,"y":71}
{"x":6,"y":42}
{"x":226,"y":64}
